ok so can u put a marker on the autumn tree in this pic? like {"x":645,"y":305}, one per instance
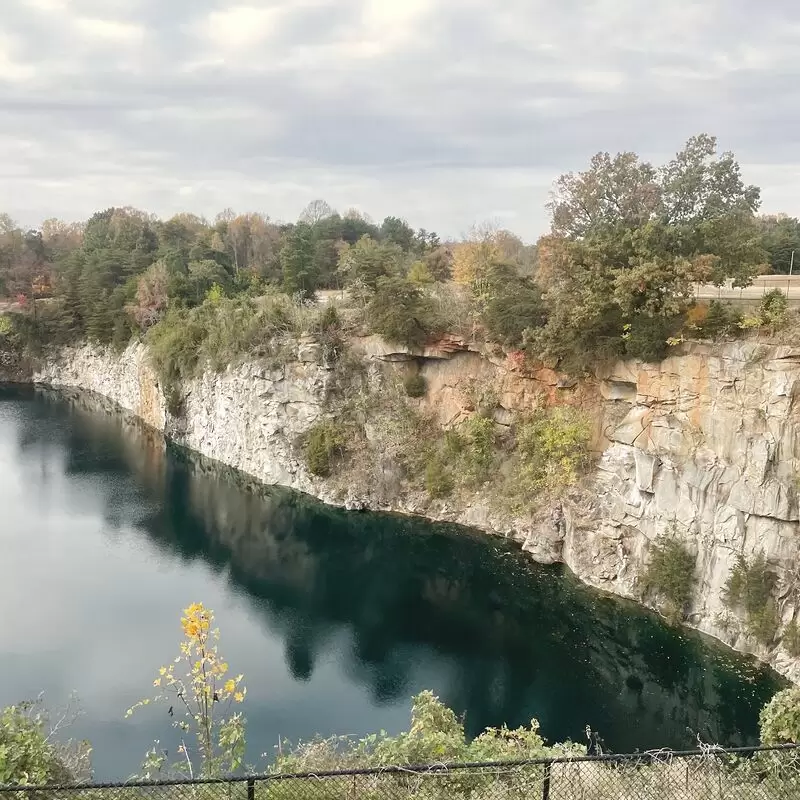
{"x":315,"y":212}
{"x":473,"y":257}
{"x":61,"y":238}
{"x":618,"y":191}
{"x":419,"y":274}
{"x":698,"y":185}
{"x":151,"y":295}
{"x":629,"y":241}
{"x":439,"y":262}
{"x":201,"y":695}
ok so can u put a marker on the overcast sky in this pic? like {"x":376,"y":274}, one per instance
{"x":446,"y":112}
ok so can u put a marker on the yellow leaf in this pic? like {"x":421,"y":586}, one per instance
{"x":239,"y":697}
{"x":157,"y":682}
{"x":230,"y":685}
{"x":162,"y":671}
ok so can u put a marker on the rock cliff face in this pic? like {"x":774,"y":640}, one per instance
{"x":704,"y":446}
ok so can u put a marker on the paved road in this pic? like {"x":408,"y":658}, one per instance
{"x":789,"y":286}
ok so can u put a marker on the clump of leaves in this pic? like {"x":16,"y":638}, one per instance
{"x":415,"y":385}
{"x":400,"y":312}
{"x":791,"y":638}
{"x":436,"y":735}
{"x":552,"y":449}
{"x":646,"y":337}
{"x":324,"y":445}
{"x":671,"y":574}
{"x":477,"y":448}
{"x":438,"y":479}
{"x":722,"y":320}
{"x":201,"y":692}
{"x":750,"y":587}
{"x":773,"y":310}
{"x":464,"y":456}
{"x":779,"y":721}
{"x":29,"y":753}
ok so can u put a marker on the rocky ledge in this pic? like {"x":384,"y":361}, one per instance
{"x":703,"y":446}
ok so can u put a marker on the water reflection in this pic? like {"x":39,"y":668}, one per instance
{"x":395,"y":604}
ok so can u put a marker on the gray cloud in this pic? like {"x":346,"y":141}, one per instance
{"x":443,"y":111}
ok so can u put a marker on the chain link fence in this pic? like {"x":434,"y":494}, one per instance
{"x":709,"y":774}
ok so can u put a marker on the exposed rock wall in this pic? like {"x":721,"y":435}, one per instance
{"x":704,"y":446}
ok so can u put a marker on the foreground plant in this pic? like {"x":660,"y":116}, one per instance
{"x":30,"y":752}
{"x":201,"y":697}
{"x":437,"y":735}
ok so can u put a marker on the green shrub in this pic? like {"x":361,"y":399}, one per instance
{"x":26,"y":754}
{"x":400,"y":312}
{"x":791,"y":638}
{"x":465,"y":457}
{"x":646,"y":337}
{"x":223,"y":331}
{"x":325,"y":443}
{"x":478,"y":455}
{"x":174,"y":344}
{"x":438,"y":480}
{"x":780,"y":718}
{"x":773,"y":310}
{"x":436,"y":735}
{"x":552,"y":448}
{"x":415,"y":385}
{"x":512,"y":305}
{"x":671,"y":574}
{"x":750,"y":587}
{"x":722,"y":319}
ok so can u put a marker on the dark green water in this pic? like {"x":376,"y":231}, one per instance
{"x":335,"y":619}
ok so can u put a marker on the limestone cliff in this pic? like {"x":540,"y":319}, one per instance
{"x":704,"y":445}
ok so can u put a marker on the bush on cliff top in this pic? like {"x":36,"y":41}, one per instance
{"x":223,"y":331}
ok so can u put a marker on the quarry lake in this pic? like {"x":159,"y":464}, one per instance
{"x":336,"y":619}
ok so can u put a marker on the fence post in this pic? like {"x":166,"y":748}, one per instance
{"x":546,"y":782}
{"x":251,"y":789}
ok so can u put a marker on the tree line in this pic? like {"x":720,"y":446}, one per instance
{"x":613,"y":276}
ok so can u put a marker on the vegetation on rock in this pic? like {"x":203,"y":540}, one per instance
{"x":415,"y":385}
{"x":325,"y":443}
{"x":671,"y":574}
{"x":750,"y":587}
